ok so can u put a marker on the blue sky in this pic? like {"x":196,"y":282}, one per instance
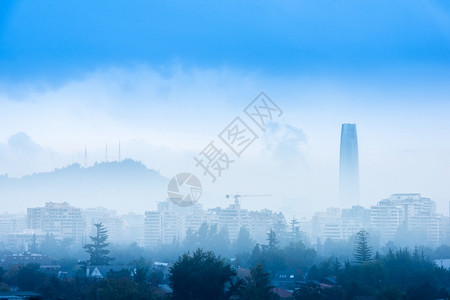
{"x":62,"y":39}
{"x":165,"y":77}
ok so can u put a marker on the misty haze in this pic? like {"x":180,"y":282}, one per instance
{"x":236,"y":150}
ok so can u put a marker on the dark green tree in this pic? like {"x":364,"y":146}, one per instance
{"x":298,"y":256}
{"x":220,"y":242}
{"x":123,"y":288}
{"x":272,"y":240}
{"x":271,"y":257}
{"x":199,"y":276}
{"x":256,"y":256}
{"x":125,"y":254}
{"x":310,"y":291}
{"x":363,"y":252}
{"x":156,"y":277}
{"x":97,"y":249}
{"x":140,"y":275}
{"x":208,"y":237}
{"x":257,"y":286}
{"x":122,"y":273}
{"x":244,"y":242}
{"x":29,"y":277}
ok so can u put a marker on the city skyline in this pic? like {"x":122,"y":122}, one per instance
{"x":405,"y":219}
{"x":118,"y":171}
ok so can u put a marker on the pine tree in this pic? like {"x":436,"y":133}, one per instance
{"x":97,"y":250}
{"x":257,"y":286}
{"x":363,"y":252}
{"x":244,"y":242}
{"x":222,"y":245}
{"x":256,"y":256}
{"x":295,"y":229}
{"x":272,"y":239}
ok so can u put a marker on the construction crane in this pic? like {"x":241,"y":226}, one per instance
{"x":239,"y":196}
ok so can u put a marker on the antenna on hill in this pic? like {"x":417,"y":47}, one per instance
{"x":106,"y":153}
{"x":119,"y":151}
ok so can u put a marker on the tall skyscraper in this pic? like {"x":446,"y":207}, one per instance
{"x":349,"y":167}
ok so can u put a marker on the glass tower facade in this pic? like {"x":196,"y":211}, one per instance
{"x":348,"y":167}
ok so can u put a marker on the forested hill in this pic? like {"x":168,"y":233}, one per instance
{"x":125,"y":186}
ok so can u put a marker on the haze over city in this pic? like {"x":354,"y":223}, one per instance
{"x":200,"y":150}
{"x":165,"y":105}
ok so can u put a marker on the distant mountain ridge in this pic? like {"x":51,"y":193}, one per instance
{"x":125,"y":186}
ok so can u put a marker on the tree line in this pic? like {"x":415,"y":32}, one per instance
{"x":200,"y":271}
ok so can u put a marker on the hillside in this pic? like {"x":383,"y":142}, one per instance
{"x":125,"y":186}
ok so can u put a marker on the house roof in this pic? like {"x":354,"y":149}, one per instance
{"x":161,"y":264}
{"x":101,"y":271}
{"x":330,"y":280}
{"x":25,"y":258}
{"x":287,"y":275}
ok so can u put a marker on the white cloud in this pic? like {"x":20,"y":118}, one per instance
{"x":21,"y":155}
{"x":164,"y":119}
{"x":284,"y":143}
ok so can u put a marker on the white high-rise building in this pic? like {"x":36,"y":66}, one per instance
{"x":337,"y":224}
{"x":409,"y":212}
{"x":133,"y":228}
{"x":233,"y":218}
{"x":59,"y":219}
{"x":12,"y":223}
{"x":327,"y":225}
{"x":260,"y":223}
{"x":171,"y":222}
{"x":152,"y":229}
